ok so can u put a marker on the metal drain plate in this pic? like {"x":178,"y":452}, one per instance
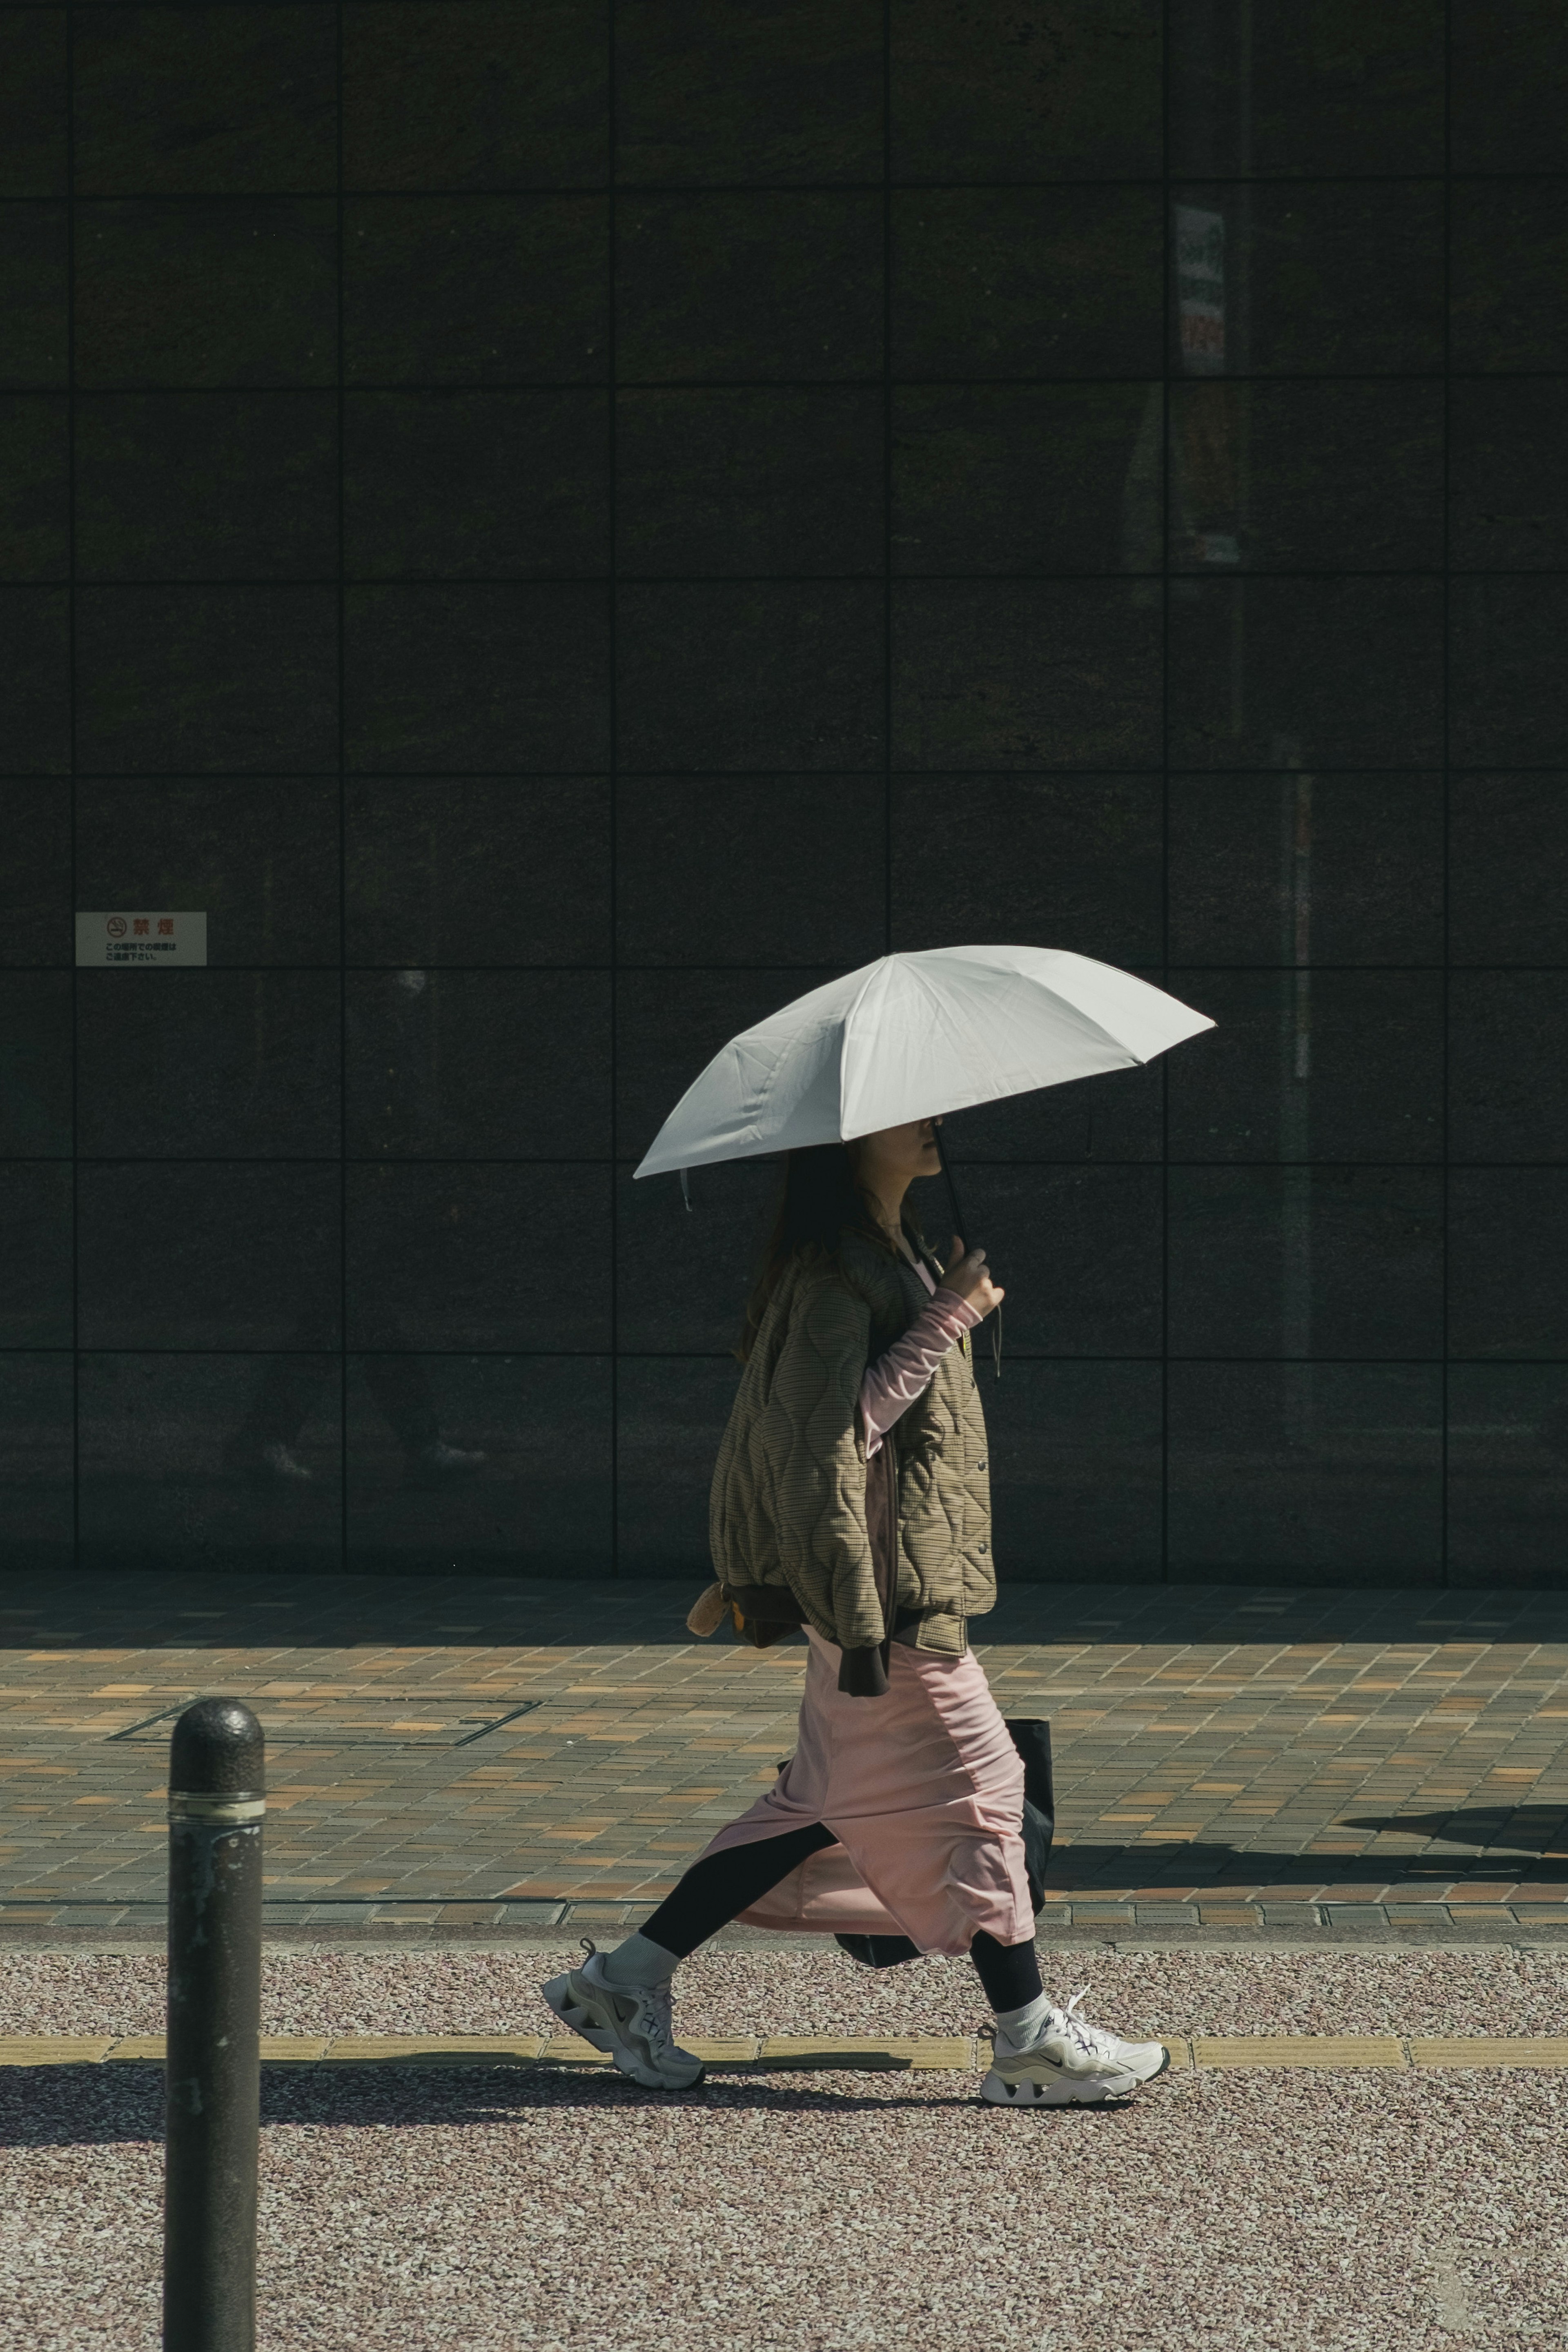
{"x":398,"y":1722}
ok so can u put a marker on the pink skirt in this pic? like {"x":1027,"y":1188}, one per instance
{"x":924,"y":1791}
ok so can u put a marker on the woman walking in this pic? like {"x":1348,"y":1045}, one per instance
{"x":851,"y":1499}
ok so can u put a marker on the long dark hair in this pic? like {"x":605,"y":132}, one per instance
{"x":821,"y":1200}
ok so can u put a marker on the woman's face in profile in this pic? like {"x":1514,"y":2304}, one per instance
{"x":906,"y":1151}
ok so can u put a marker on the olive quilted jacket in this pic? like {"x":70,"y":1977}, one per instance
{"x":788,"y":1503}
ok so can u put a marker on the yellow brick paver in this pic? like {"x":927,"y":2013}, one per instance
{"x":1334,"y":2051}
{"x":812,"y":2053}
{"x":897,"y":2050}
{"x":401,"y":2049}
{"x":55,"y":2049}
{"x":571,"y":2049}
{"x":1485,"y":2050}
{"x":277,"y":2049}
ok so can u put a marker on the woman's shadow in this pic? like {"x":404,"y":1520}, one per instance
{"x":1502,"y":1829}
{"x":102,"y":2106}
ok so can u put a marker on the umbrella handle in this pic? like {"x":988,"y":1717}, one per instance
{"x":958,"y":1224}
{"x":961,"y":1228}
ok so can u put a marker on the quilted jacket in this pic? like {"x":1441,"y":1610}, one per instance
{"x":788,"y":1502}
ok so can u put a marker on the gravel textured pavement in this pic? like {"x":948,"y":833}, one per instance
{"x":1433,"y":1989}
{"x":569,"y":2213}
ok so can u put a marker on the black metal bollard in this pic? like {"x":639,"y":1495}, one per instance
{"x":213,"y":2067}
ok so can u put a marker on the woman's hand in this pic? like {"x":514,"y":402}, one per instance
{"x":967,"y":1275}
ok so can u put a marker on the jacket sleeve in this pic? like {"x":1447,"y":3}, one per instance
{"x":817,"y":1462}
{"x":903,"y":1371}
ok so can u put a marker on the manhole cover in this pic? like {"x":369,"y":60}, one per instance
{"x":349,"y":1723}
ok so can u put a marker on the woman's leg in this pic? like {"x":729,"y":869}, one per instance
{"x":1010,"y":1974}
{"x":710,"y":1895}
{"x":620,"y":2000}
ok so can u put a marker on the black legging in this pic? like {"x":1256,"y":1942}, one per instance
{"x":714,"y":1889}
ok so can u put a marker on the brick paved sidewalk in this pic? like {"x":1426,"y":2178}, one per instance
{"x":474,"y":1756}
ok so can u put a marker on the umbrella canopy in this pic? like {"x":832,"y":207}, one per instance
{"x":910,"y":1036}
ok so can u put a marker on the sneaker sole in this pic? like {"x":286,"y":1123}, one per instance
{"x":1068,"y":2092}
{"x":647,"y":2081}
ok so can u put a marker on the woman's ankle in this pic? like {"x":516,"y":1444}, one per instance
{"x":1016,"y":2029}
{"x":639,"y":1962}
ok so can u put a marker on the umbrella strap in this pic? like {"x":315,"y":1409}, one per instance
{"x":997,"y":1340}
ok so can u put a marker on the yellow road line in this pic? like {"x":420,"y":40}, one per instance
{"x":1477,"y":2050}
{"x":1336,"y":2051}
{"x":811,"y":2053}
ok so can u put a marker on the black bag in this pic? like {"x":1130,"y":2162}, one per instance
{"x":1033,"y":1742}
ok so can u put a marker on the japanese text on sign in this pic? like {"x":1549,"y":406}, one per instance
{"x":149,"y":939}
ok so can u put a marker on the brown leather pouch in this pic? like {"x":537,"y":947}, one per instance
{"x":762,"y":1633}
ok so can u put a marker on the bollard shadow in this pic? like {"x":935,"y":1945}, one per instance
{"x":80,"y":2105}
{"x":83,"y":2106}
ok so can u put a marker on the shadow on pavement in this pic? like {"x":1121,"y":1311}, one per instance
{"x":101,"y":2105}
{"x":140,"y":1608}
{"x":1515,"y":1837}
{"x":1495,"y":1829}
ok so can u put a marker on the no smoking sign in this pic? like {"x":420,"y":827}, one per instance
{"x":148,"y":939}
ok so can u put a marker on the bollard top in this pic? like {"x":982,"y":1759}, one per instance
{"x":217,"y":1748}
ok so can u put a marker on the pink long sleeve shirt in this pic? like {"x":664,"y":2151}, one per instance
{"x":903,"y":1371}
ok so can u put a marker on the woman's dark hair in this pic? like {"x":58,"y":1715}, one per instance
{"x":820,"y":1200}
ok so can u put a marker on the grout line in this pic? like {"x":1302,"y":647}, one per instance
{"x":465,"y":193}
{"x":1167,"y":327}
{"x":505,"y":970}
{"x":613,"y":828}
{"x":199,"y":583}
{"x":887,"y":393}
{"x":343,"y":1547}
{"x":1444,"y":983}
{"x":1477,"y":967}
{"x":1025,"y":1354}
{"x":584,"y":1160}
{"x":1025,"y":779}
{"x":75,"y":782}
{"x":523,"y":387}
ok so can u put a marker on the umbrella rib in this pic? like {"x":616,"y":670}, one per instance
{"x":768,"y":1083}
{"x":1025,"y":982}
{"x":873,"y":973}
{"x":940,"y":1013}
{"x":942,"y":1016}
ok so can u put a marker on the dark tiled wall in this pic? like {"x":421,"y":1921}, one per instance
{"x":561,"y":526}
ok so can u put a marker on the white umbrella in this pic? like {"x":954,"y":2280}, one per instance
{"x":910,"y":1036}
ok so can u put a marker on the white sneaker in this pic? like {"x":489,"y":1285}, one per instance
{"x":1062,"y":2068}
{"x":1142,"y":2059}
{"x":631,"y":2021}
